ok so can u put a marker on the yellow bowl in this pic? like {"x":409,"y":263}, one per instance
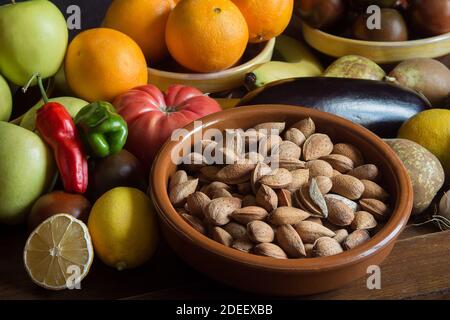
{"x":380,"y":52}
{"x":212,"y":82}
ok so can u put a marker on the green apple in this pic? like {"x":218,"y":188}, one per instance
{"x":5,"y":100}
{"x":33,"y":39}
{"x":26,"y":169}
{"x":72,"y":105}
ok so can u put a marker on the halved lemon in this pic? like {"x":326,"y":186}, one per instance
{"x":58,"y":253}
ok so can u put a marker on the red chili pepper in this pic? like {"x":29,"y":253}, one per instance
{"x":57,"y":128}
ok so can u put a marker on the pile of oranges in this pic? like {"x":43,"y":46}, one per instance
{"x":200,"y":35}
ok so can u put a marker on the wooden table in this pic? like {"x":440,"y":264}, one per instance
{"x":418,"y":268}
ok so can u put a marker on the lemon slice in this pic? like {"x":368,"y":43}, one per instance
{"x":58,"y":253}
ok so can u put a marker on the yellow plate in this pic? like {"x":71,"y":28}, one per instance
{"x":212,"y":82}
{"x":380,"y":52}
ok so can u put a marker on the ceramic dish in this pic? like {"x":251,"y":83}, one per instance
{"x":380,"y":52}
{"x":284,"y":277}
{"x":212,"y":82}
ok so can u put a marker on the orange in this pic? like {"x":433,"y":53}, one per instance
{"x":103,"y":63}
{"x":206,"y":35}
{"x":266,"y":19}
{"x":144,"y":21}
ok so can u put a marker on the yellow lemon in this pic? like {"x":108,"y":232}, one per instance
{"x":123,"y":228}
{"x":431,"y":129}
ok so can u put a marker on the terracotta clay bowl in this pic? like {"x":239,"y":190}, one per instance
{"x":284,"y":277}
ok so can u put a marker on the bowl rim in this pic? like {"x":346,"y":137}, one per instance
{"x":383,"y":238}
{"x":270,"y":45}
{"x":391,"y":44}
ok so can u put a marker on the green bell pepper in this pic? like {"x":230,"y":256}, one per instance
{"x":102,"y":129}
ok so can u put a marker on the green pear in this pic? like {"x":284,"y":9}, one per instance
{"x":33,"y":39}
{"x":26,"y":169}
{"x":72,"y":105}
{"x":5,"y":100}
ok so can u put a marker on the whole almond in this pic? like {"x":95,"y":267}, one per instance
{"x":259,"y":232}
{"x":303,"y":200}
{"x":180,"y":192}
{"x":267,"y":198}
{"x":310,"y":231}
{"x":316,"y":196}
{"x":366,"y":172}
{"x":347,"y":186}
{"x":260,"y":170}
{"x":339,"y":162}
{"x":177,"y":178}
{"x":194,"y":222}
{"x":326,"y":246}
{"x":287,"y":215}
{"x":220,"y":235}
{"x":196,"y":202}
{"x":278,"y":179}
{"x":270,"y":250}
{"x":363,"y":220}
{"x":379,"y":209}
{"x":181,"y":211}
{"x":306,"y":126}
{"x":324,"y":183}
{"x":355,"y":239}
{"x":339,"y":213}
{"x":213,"y":186}
{"x":290,"y":241}
{"x":236,"y":173}
{"x":316,"y":146}
{"x":352,"y":204}
{"x":292,"y":164}
{"x":341,"y":235}
{"x":220,"y":193}
{"x":373,"y":191}
{"x":236,"y":230}
{"x":219,"y":210}
{"x":294,"y":135}
{"x":289,"y":150}
{"x":270,"y":126}
{"x":244,"y":245}
{"x":349,"y":151}
{"x":335,"y":173}
{"x":249,"y":214}
{"x":319,"y":168}
{"x":249,"y":200}
{"x":284,"y":197}
{"x":300,"y":178}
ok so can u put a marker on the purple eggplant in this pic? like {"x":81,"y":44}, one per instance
{"x":381,"y":107}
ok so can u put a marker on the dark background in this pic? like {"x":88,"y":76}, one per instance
{"x":92,"y":11}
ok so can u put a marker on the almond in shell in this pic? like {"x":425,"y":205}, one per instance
{"x":243,"y":245}
{"x":306,"y":126}
{"x":248,"y":214}
{"x":287,"y":215}
{"x":339,"y":213}
{"x":271,"y":127}
{"x":339,"y":162}
{"x":294,"y":135}
{"x":316,"y":146}
{"x":284,"y":197}
{"x":222,"y":236}
{"x":177,"y":178}
{"x":260,"y":170}
{"x":310,"y":231}
{"x":290,"y":241}
{"x":355,"y":239}
{"x":324,"y":183}
{"x":300,"y":178}
{"x":236,"y":173}
{"x":377,"y":208}
{"x":366,"y":172}
{"x":374,"y":191}
{"x":341,"y":235}
{"x":270,"y":250}
{"x":326,"y":246}
{"x":349,"y":151}
{"x":278,"y":179}
{"x":196,"y":202}
{"x":218,"y":211}
{"x":194,"y":222}
{"x":249,"y":200}
{"x":319,"y":168}
{"x":180,"y":192}
{"x":236,"y":230}
{"x":288,"y":150}
{"x":260,"y":232}
{"x":291,"y":164}
{"x":363,"y":220}
{"x":267,"y":198}
{"x":352,"y":204}
{"x":347,"y":186}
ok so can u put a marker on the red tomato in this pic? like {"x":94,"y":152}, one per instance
{"x":152,"y":116}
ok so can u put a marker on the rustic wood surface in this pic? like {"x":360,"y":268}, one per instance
{"x":418,"y":268}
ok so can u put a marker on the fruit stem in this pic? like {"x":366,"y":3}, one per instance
{"x":38,"y":77}
{"x":250,"y":81}
{"x":13,"y":1}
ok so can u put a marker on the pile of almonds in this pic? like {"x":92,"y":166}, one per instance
{"x":322,"y":198}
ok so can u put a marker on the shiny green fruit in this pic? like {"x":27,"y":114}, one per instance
{"x":5,"y":100}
